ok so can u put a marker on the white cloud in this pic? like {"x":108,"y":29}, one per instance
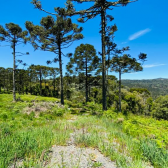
{"x":124,"y":42}
{"x":133,"y":73}
{"x":139,"y":34}
{"x":152,"y":65}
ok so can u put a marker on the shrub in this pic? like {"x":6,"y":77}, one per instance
{"x":94,"y":108}
{"x":75,"y":110}
{"x":160,"y":108}
{"x":4,"y":116}
{"x":58,"y":112}
{"x":110,"y":113}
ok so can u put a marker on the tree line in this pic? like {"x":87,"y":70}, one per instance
{"x":56,"y":32}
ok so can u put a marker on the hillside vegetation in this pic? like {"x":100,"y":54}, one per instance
{"x":74,"y":114}
{"x":155,"y":86}
{"x":31,"y":126}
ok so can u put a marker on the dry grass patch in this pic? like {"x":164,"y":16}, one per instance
{"x":38,"y":107}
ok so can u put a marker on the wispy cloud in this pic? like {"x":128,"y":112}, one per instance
{"x":152,"y":65}
{"x":124,"y":42}
{"x":139,"y":34}
{"x":133,"y":73}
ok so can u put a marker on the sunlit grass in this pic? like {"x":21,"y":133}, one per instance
{"x":126,"y":150}
{"x":24,"y":136}
{"x":130,"y":141}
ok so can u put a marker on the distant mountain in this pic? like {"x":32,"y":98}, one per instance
{"x":160,"y":78}
{"x":157,"y":86}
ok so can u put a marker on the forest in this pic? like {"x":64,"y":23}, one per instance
{"x":81,"y":116}
{"x":157,"y":87}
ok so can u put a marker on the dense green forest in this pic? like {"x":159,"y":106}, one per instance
{"x":44,"y":109}
{"x":156,"y":87}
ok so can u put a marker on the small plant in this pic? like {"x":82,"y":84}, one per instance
{"x":31,"y":115}
{"x":63,"y":164}
{"x":58,"y":112}
{"x":96,"y":164}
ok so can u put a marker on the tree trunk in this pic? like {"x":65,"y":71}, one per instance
{"x":86,"y":81}
{"x":26,"y":89}
{"x":45,"y":82}
{"x":4,"y":83}
{"x":54,"y":85}
{"x":119,"y":90}
{"x":103,"y":58}
{"x":40,"y":82}
{"x":61,"y":76}
{"x":7,"y":82}
{"x":89,"y":88}
{"x":23,"y":84}
{"x":108,"y":62}
{"x":14,"y":66}
{"x":108,"y":66}
{"x":30,"y":79}
{"x":20,"y":82}
{"x":30,"y":88}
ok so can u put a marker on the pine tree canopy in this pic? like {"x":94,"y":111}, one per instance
{"x":52,"y":33}
{"x":13,"y":32}
{"x":84,"y":58}
{"x":125,"y":63}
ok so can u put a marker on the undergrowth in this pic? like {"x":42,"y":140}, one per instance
{"x":30,"y":126}
{"x":126,"y":149}
{"x":25,"y":136}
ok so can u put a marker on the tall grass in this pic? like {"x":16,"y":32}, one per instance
{"x":126,"y":150}
{"x":30,"y":143}
{"x":25,"y":136}
{"x":132,"y":142}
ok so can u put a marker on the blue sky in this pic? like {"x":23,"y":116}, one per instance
{"x":141,"y":25}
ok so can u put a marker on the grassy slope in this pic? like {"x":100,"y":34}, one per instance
{"x":23,"y":135}
{"x":131,"y":141}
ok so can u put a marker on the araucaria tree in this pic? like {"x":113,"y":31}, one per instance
{"x":13,"y":34}
{"x":54,"y":35}
{"x":84,"y":61}
{"x":100,"y":7}
{"x":124,"y":63}
{"x":110,"y":45}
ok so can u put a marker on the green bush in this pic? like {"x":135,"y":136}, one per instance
{"x":110,"y":114}
{"x":4,"y":116}
{"x":94,"y":108}
{"x":75,"y":110}
{"x":58,"y":113}
{"x":160,"y":108}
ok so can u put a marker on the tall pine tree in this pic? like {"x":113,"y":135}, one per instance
{"x":84,"y":61}
{"x":54,"y":35}
{"x":124,"y":63}
{"x":100,"y":7}
{"x":14,"y":35}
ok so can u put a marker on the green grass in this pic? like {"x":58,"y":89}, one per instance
{"x":128,"y":151}
{"x":131,"y":141}
{"x":23,"y":136}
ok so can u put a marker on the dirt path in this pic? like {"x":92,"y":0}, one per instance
{"x":71,"y":156}
{"x":74,"y":156}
